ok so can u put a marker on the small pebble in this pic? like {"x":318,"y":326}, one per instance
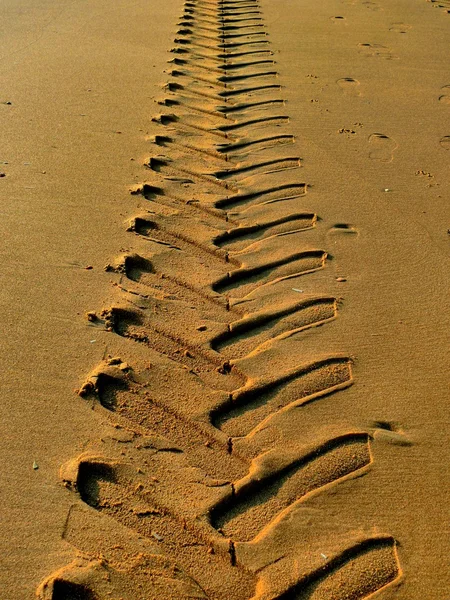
{"x":35,"y":465}
{"x":157,"y":536}
{"x":341,"y":279}
{"x":91,"y":316}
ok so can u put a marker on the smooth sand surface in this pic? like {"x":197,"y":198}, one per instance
{"x":340,"y":481}
{"x":76,"y":76}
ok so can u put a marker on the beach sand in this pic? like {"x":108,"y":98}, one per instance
{"x":225,"y":299}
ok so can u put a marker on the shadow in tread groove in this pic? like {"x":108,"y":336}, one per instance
{"x":295,"y":264}
{"x":245,"y":91}
{"x":276,"y":164}
{"x":245,"y":106}
{"x":279,"y":192}
{"x":243,"y":516}
{"x":235,"y":238}
{"x":259,"y":401}
{"x":90,"y":475}
{"x":357,"y":573}
{"x":259,"y":121}
{"x":265,"y":142}
{"x":65,"y":590}
{"x":253,"y":331}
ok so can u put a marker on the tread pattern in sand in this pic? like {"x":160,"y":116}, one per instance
{"x":445,"y":96}
{"x":211,"y":300}
{"x":444,"y":5}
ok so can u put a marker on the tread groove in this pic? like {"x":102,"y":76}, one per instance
{"x":196,"y":461}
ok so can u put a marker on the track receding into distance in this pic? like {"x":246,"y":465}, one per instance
{"x":202,"y":489}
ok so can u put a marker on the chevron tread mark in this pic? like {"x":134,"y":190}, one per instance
{"x":196,"y":474}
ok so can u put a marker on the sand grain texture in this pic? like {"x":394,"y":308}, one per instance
{"x":250,"y":400}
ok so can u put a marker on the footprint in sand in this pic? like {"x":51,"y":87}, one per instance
{"x":377,"y":50}
{"x":445,"y":142}
{"x":349,"y":86}
{"x":382,"y":147}
{"x":400,"y":27}
{"x":445,"y":4}
{"x":343,"y":229}
{"x":445,"y":97}
{"x":338,"y":20}
{"x":374,"y":6}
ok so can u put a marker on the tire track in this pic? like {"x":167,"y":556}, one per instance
{"x":221,"y":245}
{"x":442,"y":4}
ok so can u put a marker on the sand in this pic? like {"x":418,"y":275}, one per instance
{"x":225,"y":300}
